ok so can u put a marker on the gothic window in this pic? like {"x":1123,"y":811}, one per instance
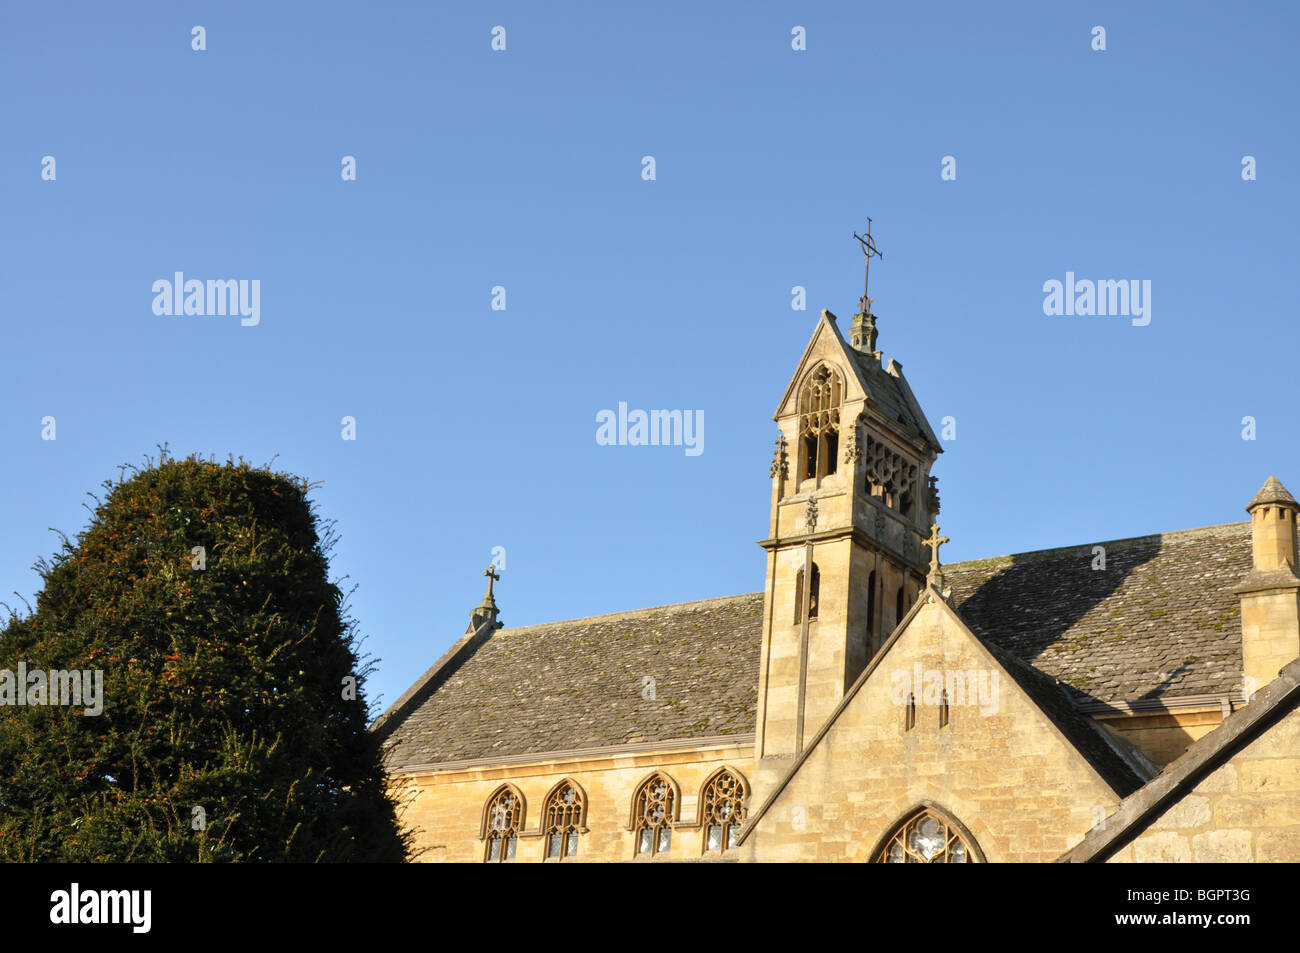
{"x":909,"y":719}
{"x":890,"y":477}
{"x":819,"y":423}
{"x":898,"y":606}
{"x":723,"y":811}
{"x":503,"y":820}
{"x":813,"y":588}
{"x":652,"y":816}
{"x":927,"y":837}
{"x":871,"y":609}
{"x":943,"y":710}
{"x":563,"y":816}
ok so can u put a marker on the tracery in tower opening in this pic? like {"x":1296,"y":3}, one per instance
{"x":819,"y":423}
{"x":890,"y":476}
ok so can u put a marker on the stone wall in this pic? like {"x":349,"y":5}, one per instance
{"x":1247,"y":810}
{"x":446,"y":808}
{"x":1165,"y":736}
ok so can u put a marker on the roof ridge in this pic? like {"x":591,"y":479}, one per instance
{"x":1236,"y":528}
{"x":634,"y":613}
{"x":1240,"y":528}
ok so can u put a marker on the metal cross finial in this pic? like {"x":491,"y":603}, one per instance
{"x":868,"y":249}
{"x":934,"y":542}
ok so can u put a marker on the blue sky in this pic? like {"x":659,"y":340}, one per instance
{"x":476,"y":428}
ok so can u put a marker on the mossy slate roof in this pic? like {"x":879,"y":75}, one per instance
{"x":582,"y":683}
{"x":1160,"y":620}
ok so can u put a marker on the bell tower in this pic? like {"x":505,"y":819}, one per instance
{"x":852,"y":500}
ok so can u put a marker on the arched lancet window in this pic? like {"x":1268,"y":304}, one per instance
{"x":927,"y":837}
{"x":503,"y":820}
{"x":722,"y":813}
{"x":819,"y":423}
{"x":813,"y":587}
{"x":652,"y":815}
{"x":564,"y":815}
{"x":898,"y":606}
{"x":871,"y":611}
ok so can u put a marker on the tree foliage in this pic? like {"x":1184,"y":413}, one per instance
{"x":227,"y":733}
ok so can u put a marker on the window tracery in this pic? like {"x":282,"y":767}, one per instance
{"x":563,"y":817}
{"x":722,"y":813}
{"x":504,"y":818}
{"x":927,"y":837}
{"x":890,"y":476}
{"x":652,"y":816}
{"x":819,"y":423}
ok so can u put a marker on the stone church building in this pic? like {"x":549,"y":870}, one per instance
{"x":1131,"y":700}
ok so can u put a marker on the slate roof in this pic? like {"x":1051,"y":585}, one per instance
{"x":1160,"y":620}
{"x":891,"y":398}
{"x":578,"y":684}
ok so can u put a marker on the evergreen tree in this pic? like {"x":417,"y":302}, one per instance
{"x":234,"y":726}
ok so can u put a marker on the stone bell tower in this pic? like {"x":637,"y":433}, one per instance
{"x":852,"y":500}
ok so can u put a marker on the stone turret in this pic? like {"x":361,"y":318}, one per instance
{"x":1270,"y":593}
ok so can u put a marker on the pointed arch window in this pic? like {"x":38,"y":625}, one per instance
{"x":564,"y":816}
{"x":871,"y":611}
{"x":814,"y":585}
{"x":819,"y":423}
{"x":503,"y":820}
{"x":898,"y":606}
{"x":652,"y":815}
{"x":928,"y":837}
{"x":723,"y":810}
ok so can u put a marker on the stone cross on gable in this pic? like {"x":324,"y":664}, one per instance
{"x":934,"y":542}
{"x":490,"y":572}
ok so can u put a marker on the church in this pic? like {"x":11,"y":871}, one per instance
{"x":1125,"y":701}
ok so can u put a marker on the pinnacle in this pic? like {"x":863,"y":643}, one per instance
{"x":1271,"y":492}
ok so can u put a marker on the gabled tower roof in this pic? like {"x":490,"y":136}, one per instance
{"x":886,"y":388}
